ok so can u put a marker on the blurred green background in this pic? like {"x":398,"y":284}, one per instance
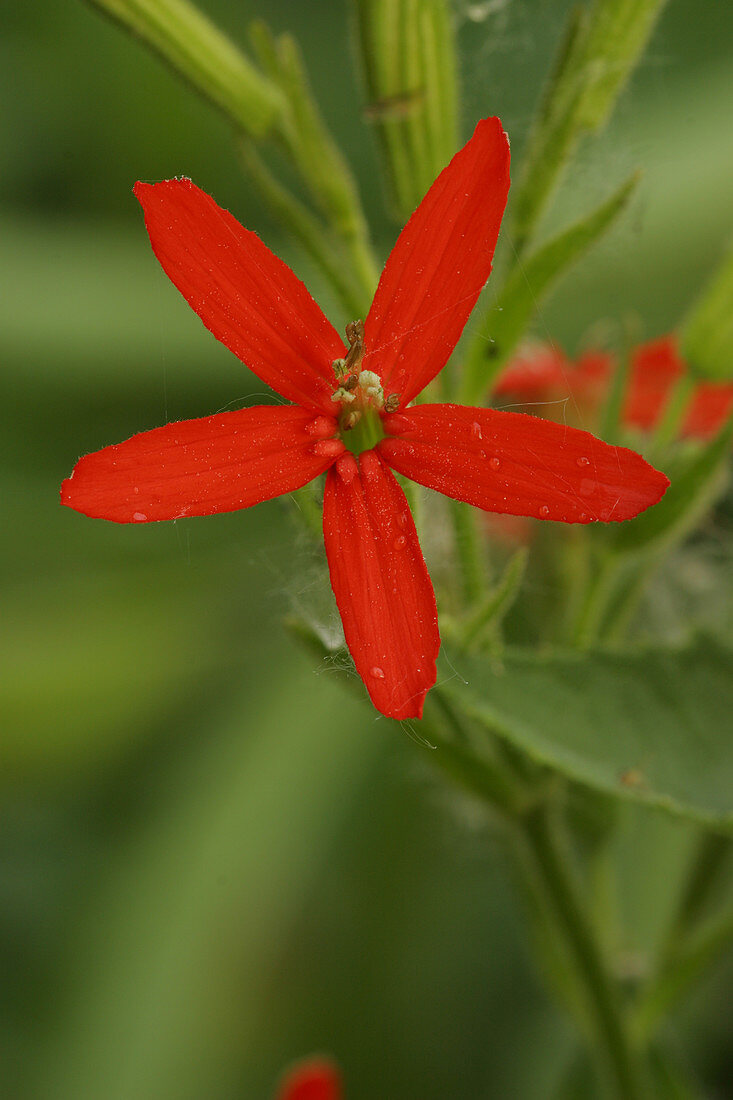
{"x":213,"y":859}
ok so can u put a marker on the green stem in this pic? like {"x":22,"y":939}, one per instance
{"x":470,"y":552}
{"x":597,"y":598}
{"x":196,"y":49}
{"x":551,"y":865}
{"x":670,"y":421}
{"x":689,"y":965}
{"x":313,"y":235}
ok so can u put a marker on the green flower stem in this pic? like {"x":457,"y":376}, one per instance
{"x":488,"y":778}
{"x":689,"y":965}
{"x":206,"y":58}
{"x":408,"y":63}
{"x":611,"y":415}
{"x":598,"y":596}
{"x":689,"y":947}
{"x":306,"y":140}
{"x":671,"y":419}
{"x":470,"y":551}
{"x":550,"y":864}
{"x":308,"y":511}
{"x":708,"y":865}
{"x":315,"y":238}
{"x":497,"y":602}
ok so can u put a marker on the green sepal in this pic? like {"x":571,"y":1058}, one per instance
{"x":706,"y":337}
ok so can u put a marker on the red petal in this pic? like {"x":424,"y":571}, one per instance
{"x":381,"y":584}
{"x":243,"y":293}
{"x":536,"y":374}
{"x":709,"y":409}
{"x":519,"y":464}
{"x":438,"y":266}
{"x":198,"y":467}
{"x":655,"y":367}
{"x":315,"y":1079}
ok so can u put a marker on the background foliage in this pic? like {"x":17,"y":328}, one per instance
{"x":213,"y":860}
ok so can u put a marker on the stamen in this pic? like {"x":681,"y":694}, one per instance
{"x":371,"y":385}
{"x":392,"y":403}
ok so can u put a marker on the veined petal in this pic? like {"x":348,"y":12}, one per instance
{"x":381,"y":584}
{"x":519,"y":464}
{"x":438,"y":266}
{"x":314,"y":1079}
{"x":247,"y":297}
{"x":199,"y":467}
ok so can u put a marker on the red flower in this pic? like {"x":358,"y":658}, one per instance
{"x":350,"y":413}
{"x":314,"y":1079}
{"x":544,"y":374}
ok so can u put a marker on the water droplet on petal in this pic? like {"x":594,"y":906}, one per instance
{"x":544,"y":511}
{"x":400,"y":542}
{"x":403,"y":519}
{"x":494,"y":463}
{"x":140,"y":517}
{"x":583,"y":461}
{"x":377,"y":673}
{"x":476,"y":430}
{"x":583,"y":517}
{"x":136,"y":489}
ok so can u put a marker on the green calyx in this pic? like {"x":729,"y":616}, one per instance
{"x":365,"y":433}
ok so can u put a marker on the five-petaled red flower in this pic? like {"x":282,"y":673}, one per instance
{"x":312,"y":1079}
{"x":350,"y":414}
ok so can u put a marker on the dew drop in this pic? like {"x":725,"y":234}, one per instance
{"x":139,"y":516}
{"x":494,"y":463}
{"x":583,"y":517}
{"x":377,"y":672}
{"x":476,"y":430}
{"x":136,"y":489}
{"x":583,"y":461}
{"x":403,"y":519}
{"x":544,"y":511}
{"x":399,"y":542}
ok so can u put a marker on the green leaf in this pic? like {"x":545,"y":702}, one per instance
{"x":706,"y":337}
{"x":205,"y":57}
{"x":600,"y":50}
{"x":690,"y":496}
{"x":408,"y":61}
{"x":527,"y":283}
{"x":651,"y":725}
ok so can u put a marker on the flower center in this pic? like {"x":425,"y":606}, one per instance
{"x":360,"y":396}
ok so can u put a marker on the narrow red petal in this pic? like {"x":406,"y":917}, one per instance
{"x":655,"y":367}
{"x":314,"y":1079}
{"x":243,"y":293}
{"x":537,"y":373}
{"x":438,"y":266}
{"x":711,"y":405}
{"x":521,"y":465}
{"x":198,"y":467}
{"x":381,"y":584}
